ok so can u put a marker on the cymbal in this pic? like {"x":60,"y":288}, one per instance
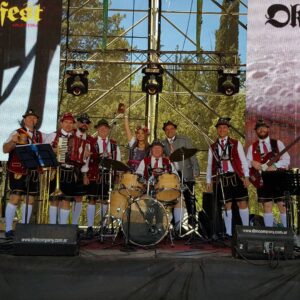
{"x":114,"y":164}
{"x":179,"y":153}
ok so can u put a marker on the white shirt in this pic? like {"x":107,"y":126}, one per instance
{"x":44,"y":136}
{"x":284,"y":160}
{"x":241,"y":154}
{"x":141,"y":168}
{"x":51,"y":136}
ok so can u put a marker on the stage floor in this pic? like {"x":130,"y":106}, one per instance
{"x":102,"y":271}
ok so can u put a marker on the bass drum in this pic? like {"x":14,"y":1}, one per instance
{"x":149,"y":222}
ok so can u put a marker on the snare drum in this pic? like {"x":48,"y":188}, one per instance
{"x":118,"y":204}
{"x":149,"y":222}
{"x":167,"y":188}
{"x":130,"y":185}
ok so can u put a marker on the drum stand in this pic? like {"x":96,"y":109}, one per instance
{"x":108,"y":228}
{"x":192,"y":228}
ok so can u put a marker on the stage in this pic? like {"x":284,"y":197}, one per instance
{"x":102,"y":271}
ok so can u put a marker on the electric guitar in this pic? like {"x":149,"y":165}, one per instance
{"x":255,"y":175}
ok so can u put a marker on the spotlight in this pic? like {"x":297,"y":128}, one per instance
{"x":152,"y":82}
{"x":228,"y":81}
{"x":77,"y":82}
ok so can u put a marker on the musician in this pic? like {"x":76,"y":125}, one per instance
{"x":71,"y":181}
{"x":228,"y":165}
{"x":155,"y":164}
{"x":259,"y":153}
{"x":190,"y":168}
{"x":82,"y":127}
{"x":96,"y":177}
{"x":26,"y":134}
{"x":138,"y":143}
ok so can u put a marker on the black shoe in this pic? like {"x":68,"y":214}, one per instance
{"x":90,"y":233}
{"x":10,"y":234}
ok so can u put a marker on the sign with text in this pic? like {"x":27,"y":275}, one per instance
{"x":29,"y":62}
{"x":273,"y":70}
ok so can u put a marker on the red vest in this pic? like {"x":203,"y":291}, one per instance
{"x":93,"y":172}
{"x":233,"y":157}
{"x":257,"y":155}
{"x":147,"y":160}
{"x":14,"y":163}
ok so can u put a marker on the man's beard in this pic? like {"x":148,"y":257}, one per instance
{"x":263,"y":135}
{"x":82,"y":129}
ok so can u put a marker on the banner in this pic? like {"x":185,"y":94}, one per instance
{"x":29,"y":63}
{"x":273,"y":70}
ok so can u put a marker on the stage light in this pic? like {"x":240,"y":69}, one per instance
{"x":152,"y":82}
{"x":228,"y":81}
{"x":77,"y":82}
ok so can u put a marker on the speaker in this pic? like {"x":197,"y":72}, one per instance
{"x":46,"y":239}
{"x":263,"y":242}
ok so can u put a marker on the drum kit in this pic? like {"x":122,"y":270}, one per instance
{"x":141,"y":208}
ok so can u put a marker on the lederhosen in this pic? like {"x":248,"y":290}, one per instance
{"x":229,"y":183}
{"x":98,"y":187}
{"x":18,"y":174}
{"x":267,"y":193}
{"x":71,"y":179}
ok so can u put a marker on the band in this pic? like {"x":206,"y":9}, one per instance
{"x":165,"y":171}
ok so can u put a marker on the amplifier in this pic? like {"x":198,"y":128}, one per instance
{"x":263,"y":242}
{"x":46,"y":239}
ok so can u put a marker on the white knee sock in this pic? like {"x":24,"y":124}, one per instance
{"x":283,"y":220}
{"x":228,"y":221}
{"x":29,"y":211}
{"x":52,"y":214}
{"x":10,"y":212}
{"x":178,"y":215}
{"x":63,"y":216}
{"x":91,"y":209}
{"x":244,"y":214}
{"x":268,"y":219}
{"x":76,"y":212}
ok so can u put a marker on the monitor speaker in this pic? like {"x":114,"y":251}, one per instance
{"x":263,"y":242}
{"x":46,"y":239}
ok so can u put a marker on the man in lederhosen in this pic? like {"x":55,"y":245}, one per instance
{"x":82,"y":126}
{"x":71,"y":158}
{"x":96,"y":176}
{"x":259,"y":153}
{"x":26,"y":134}
{"x":228,"y":165}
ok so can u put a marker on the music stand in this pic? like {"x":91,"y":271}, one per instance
{"x":32,"y":157}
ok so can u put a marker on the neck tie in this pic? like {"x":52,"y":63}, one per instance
{"x":104,"y":145}
{"x":171,"y":146}
{"x":156,"y":163}
{"x":224,"y":162}
{"x":265,"y":149}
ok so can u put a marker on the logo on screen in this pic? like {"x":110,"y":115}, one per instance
{"x":279,"y":15}
{"x":30,"y":13}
